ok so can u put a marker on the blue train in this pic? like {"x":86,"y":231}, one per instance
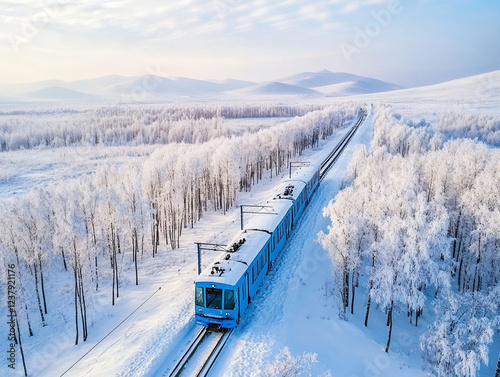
{"x":224,"y":290}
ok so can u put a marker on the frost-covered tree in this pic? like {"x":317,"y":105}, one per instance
{"x":286,"y":365}
{"x":457,"y":342}
{"x":428,"y":212}
{"x":345,"y":242}
{"x":72,"y":235}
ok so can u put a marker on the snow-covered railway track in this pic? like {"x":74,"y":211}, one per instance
{"x":339,"y":148}
{"x":201,"y":354}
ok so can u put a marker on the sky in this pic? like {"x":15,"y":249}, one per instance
{"x":410,"y":43}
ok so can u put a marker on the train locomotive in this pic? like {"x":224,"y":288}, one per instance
{"x":224,"y":290}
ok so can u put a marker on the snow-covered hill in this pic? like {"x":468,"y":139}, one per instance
{"x":482,"y":90}
{"x":156,"y":86}
{"x":339,"y":83}
{"x":58,"y":93}
{"x":476,"y":88}
{"x":232,"y":84}
{"x":476,"y":94}
{"x":318,"y":79}
{"x":275,"y":88}
{"x":358,"y":86}
{"x":153,"y":87}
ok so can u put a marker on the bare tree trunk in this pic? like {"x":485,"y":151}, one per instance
{"x":116,"y":272}
{"x":28,"y":320}
{"x":345,"y":289}
{"x":25,"y":304}
{"x":76,"y":305}
{"x":18,"y":340}
{"x":38,"y":294}
{"x":118,"y":243}
{"x":157,"y":232}
{"x":455,"y":251}
{"x":497,"y":373}
{"x":417,"y":316}
{"x":83,"y":306}
{"x":64,"y":259}
{"x":460,"y":273}
{"x":43,"y":287}
{"x":113,"y":279}
{"x":370,"y":286}
{"x":96,"y":275}
{"x":135,"y":243}
{"x":354,"y":284}
{"x":389,"y":318}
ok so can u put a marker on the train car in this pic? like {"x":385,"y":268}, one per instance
{"x":224,"y":290}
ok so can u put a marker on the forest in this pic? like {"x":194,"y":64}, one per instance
{"x":129,"y":124}
{"x":416,"y":229}
{"x":99,"y":227}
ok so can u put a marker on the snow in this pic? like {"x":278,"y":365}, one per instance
{"x":476,"y":94}
{"x":359,"y":86}
{"x":274,"y":88}
{"x":144,"y":333}
{"x":292,"y":310}
{"x":339,"y":84}
{"x":318,"y":79}
{"x":58,"y":93}
{"x":232,"y":84}
{"x":289,"y":310}
{"x":25,"y":169}
{"x":147,"y":342}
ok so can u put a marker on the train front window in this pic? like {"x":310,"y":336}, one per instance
{"x":214,"y":298}
{"x":200,"y":300}
{"x":229,"y":300}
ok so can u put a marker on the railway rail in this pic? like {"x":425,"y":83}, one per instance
{"x":202,"y":364}
{"x":339,"y":148}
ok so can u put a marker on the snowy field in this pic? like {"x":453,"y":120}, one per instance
{"x":472,"y":95}
{"x":25,"y":169}
{"x":152,"y":323}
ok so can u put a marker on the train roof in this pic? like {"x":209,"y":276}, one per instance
{"x":231,"y":267}
{"x":247,"y":244}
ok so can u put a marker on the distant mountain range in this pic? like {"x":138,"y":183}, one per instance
{"x":151,"y":87}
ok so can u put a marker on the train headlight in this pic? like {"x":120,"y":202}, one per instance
{"x":227,"y":314}
{"x":200,"y":310}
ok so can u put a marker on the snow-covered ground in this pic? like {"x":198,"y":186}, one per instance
{"x":149,"y":339}
{"x":151,"y":323}
{"x":148,"y":328}
{"x":472,"y":95}
{"x":22,"y":170}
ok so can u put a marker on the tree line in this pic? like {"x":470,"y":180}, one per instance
{"x":129,"y":124}
{"x":473,"y":126}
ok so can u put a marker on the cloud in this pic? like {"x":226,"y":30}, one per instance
{"x":134,"y":21}
{"x":352,"y":6}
